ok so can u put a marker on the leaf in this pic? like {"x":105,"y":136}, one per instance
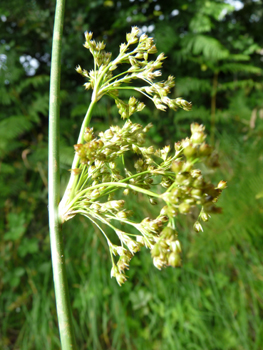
{"x":204,"y":45}
{"x":27,"y":246}
{"x":165,"y":37}
{"x":200,"y":23}
{"x":188,"y":84}
{"x":240,"y":84}
{"x":13,"y":127}
{"x":240,"y":67}
{"x":17,"y":226}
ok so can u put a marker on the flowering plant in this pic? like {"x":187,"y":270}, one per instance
{"x":164,"y":175}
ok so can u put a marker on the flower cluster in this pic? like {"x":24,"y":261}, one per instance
{"x":102,"y":81}
{"x":185,"y":188}
{"x":113,"y":143}
{"x":167,"y":177}
{"x":167,"y":250}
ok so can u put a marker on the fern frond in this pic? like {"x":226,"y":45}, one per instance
{"x":241,"y":84}
{"x":186,"y":85}
{"x":200,"y":23}
{"x":240,"y":67}
{"x":35,"y":81}
{"x":217,"y":10}
{"x":38,"y":105}
{"x":196,"y":113}
{"x":14,"y":126}
{"x":209,"y":47}
{"x":239,"y":57}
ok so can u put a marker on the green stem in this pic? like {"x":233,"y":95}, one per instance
{"x":56,"y":240}
{"x":70,"y":190}
{"x":119,"y":184}
{"x":111,"y":185}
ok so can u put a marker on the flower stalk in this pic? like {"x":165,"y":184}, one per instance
{"x":56,"y":240}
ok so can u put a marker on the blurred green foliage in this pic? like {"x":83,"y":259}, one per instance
{"x":215,"y":300}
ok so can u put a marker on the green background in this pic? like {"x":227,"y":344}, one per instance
{"x":214,"y":302}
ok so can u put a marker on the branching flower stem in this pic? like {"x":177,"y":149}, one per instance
{"x":69,"y":192}
{"x":56,"y":240}
{"x":109,"y":185}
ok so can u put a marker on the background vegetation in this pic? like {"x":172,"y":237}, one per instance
{"x":215,"y":301}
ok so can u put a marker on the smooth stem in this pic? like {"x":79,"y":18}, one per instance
{"x":70,"y":190}
{"x":111,"y":185}
{"x":56,"y":240}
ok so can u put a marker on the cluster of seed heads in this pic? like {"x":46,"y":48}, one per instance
{"x":166,"y":176}
{"x":185,"y":189}
{"x":102,"y":81}
{"x":113,"y":143}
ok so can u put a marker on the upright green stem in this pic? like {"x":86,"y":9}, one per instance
{"x":56,"y":239}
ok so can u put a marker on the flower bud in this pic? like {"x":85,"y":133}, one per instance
{"x":131,"y":39}
{"x":152,"y":50}
{"x":177,"y":166}
{"x":79,"y":69}
{"x":133,"y":246}
{"x":114,"y":271}
{"x":195,"y":173}
{"x":184,"y":208}
{"x":158,"y":263}
{"x":120,"y":279}
{"x":155,"y":250}
{"x":140,"y":106}
{"x":140,"y":139}
{"x":132,"y":101}
{"x":183,"y":178}
{"x":189,"y":151}
{"x":108,"y":134}
{"x":187,"y":167}
{"x":199,"y":182}
{"x":122,"y":215}
{"x":198,"y":137}
{"x":147,"y":127}
{"x":205,"y":150}
{"x":175,"y":246}
{"x":167,"y":232}
{"x":153,"y":201}
{"x":204,"y":216}
{"x":136,"y":149}
{"x":196,"y":193}
{"x":88,"y":135}
{"x":141,"y":240}
{"x":122,"y":266}
{"x":222,"y":185}
{"x":174,"y":260}
{"x":143,"y":37}
{"x":198,"y":227}
{"x":126,"y":191}
{"x":178,"y":146}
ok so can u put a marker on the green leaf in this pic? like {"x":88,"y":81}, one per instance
{"x":27,"y":246}
{"x":240,"y":67}
{"x":17,"y":226}
{"x":200,"y":23}
{"x":209,"y":47}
